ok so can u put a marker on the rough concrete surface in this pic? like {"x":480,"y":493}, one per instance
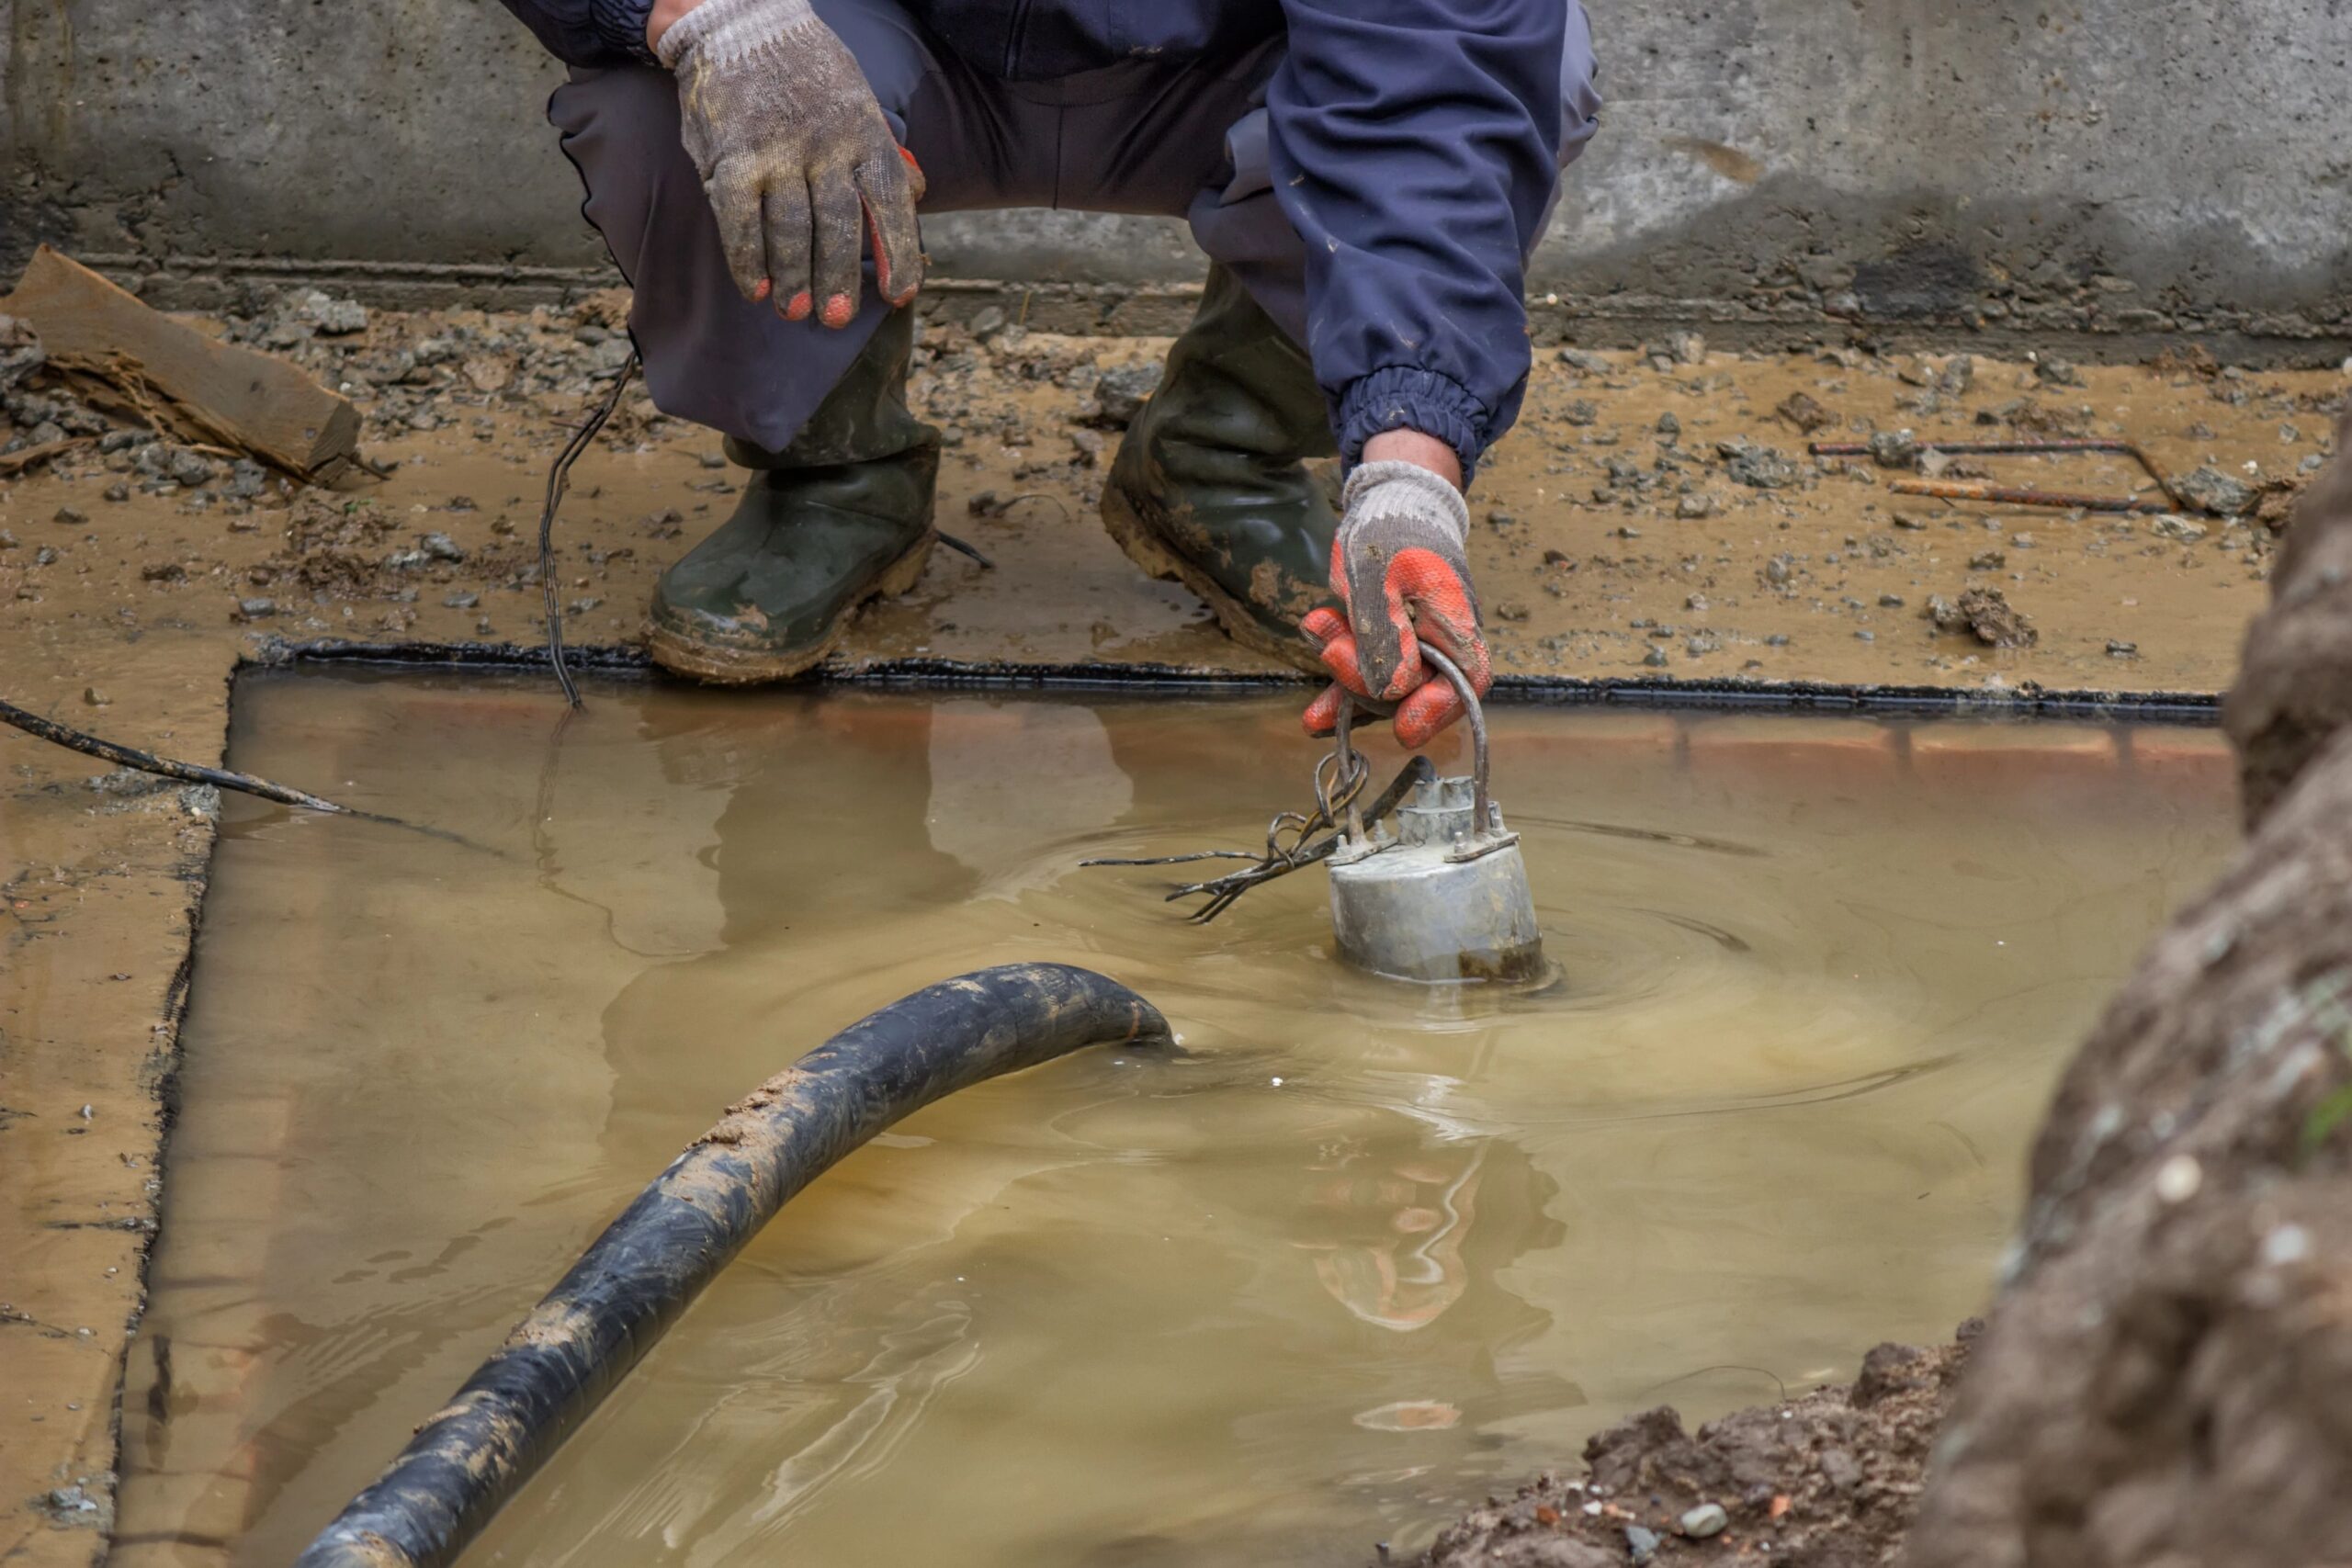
{"x":1608,"y":538}
{"x":2115,"y":169}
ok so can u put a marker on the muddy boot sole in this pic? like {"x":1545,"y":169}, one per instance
{"x":717,"y":664}
{"x":1144,"y":547}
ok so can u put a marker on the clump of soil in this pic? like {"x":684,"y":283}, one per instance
{"x":333,"y":545}
{"x":1829,"y":1481}
{"x":1988,"y":614}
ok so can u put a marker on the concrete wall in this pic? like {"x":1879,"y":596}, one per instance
{"x":2016,"y":168}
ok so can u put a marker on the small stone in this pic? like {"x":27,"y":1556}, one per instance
{"x":1510,"y":610}
{"x":1894,"y":449}
{"x":69,"y":514}
{"x":1866,"y":637}
{"x":1891,"y":600}
{"x":256,"y":609}
{"x":2052,"y":371}
{"x":1640,"y":1545}
{"x":1910,"y":520}
{"x":1706,"y":1519}
{"x":1803,"y":411}
{"x":1120,"y":395}
{"x":1987,"y":560}
{"x":1761,"y":467}
{"x":2210,"y":489}
{"x":462,"y":601}
{"x":1498,"y":518}
{"x":2172,"y":525}
{"x":2117,"y":648}
{"x":1656,"y":657}
{"x":45,"y":556}
{"x":1699,"y":647}
{"x":1580,"y":412}
{"x":163,"y":571}
{"x":2179,"y":1178}
{"x":440,"y":547}
{"x":1579,"y":359}
{"x":8,"y":540}
{"x":1668,"y":426}
{"x":711,"y":459}
{"x":1086,"y":446}
{"x":1779,"y":570}
{"x":117,"y":492}
{"x":94,"y":697}
{"x":1695,"y":505}
{"x":1695,"y":602}
{"x":1688,"y":348}
{"x":488,"y":372}
{"x":987,"y":321}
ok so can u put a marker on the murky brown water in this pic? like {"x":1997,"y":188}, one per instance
{"x":1363,"y":1255}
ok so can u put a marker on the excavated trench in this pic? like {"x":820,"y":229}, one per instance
{"x":1360,"y":1256}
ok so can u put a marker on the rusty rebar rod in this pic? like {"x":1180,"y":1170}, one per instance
{"x":2040,"y":446}
{"x":2012,"y":495}
{"x":1989,"y":448}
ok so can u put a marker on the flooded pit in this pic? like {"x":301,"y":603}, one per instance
{"x":1363,"y":1254}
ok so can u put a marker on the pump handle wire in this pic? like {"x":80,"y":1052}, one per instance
{"x":558,"y":479}
{"x":1304,"y":847}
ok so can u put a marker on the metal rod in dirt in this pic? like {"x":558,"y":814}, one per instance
{"x":2007,"y":495}
{"x":633,"y":1282}
{"x":163,"y":767}
{"x":2022,"y":448}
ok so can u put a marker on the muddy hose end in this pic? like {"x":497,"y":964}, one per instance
{"x":470,"y":1455}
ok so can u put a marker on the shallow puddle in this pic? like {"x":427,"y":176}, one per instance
{"x":1363,"y":1254}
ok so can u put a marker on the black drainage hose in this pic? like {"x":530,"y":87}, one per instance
{"x":639,"y":1275}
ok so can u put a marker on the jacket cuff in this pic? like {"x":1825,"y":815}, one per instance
{"x":621,"y":25}
{"x":1401,"y":396}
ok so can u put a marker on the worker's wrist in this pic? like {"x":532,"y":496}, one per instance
{"x":1420,"y":450}
{"x":660,"y":19}
{"x":1407,"y":398}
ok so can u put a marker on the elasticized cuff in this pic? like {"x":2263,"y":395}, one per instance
{"x":621,"y":24}
{"x":1401,"y":396}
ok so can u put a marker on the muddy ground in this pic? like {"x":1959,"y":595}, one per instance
{"x":1654,"y":517}
{"x":1829,"y":1480}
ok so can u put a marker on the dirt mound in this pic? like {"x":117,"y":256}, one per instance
{"x":2168,"y":1366}
{"x":1829,"y":1480}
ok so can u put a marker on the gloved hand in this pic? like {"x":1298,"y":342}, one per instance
{"x":1398,"y":564}
{"x":795,"y":155}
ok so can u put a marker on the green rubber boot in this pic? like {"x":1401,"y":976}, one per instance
{"x":840,"y":516}
{"x":1211,"y":488}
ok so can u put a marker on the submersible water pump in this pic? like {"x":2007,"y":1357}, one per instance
{"x":1445,"y":896}
{"x":1442,"y":898}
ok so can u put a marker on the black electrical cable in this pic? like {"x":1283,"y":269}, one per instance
{"x":89,"y":745}
{"x":637,"y":1277}
{"x":558,"y":479}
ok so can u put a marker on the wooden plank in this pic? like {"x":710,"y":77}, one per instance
{"x":180,"y":379}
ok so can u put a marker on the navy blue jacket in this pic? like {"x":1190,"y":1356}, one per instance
{"x":1414,"y":149}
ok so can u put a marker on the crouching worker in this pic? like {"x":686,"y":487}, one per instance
{"x":1367,"y":178}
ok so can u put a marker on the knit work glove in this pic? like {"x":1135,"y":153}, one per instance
{"x":1399,"y":567}
{"x":799,"y":162}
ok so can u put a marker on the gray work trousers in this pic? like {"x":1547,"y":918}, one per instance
{"x":1184,"y":140}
